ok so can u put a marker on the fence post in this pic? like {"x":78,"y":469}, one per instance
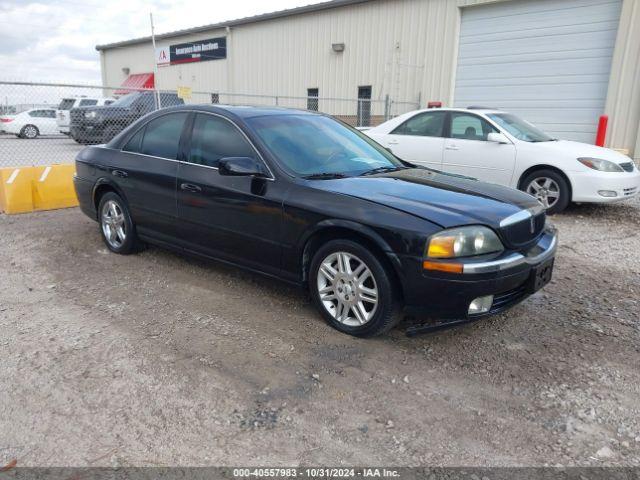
{"x":276,"y":97}
{"x":387,"y":107}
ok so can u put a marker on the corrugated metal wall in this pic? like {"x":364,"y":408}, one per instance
{"x":406,"y":49}
{"x":402,"y":48}
{"x":623,"y":99}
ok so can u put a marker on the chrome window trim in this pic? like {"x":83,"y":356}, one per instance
{"x":270,"y":178}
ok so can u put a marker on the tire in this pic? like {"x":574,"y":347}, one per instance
{"x":109,"y":132}
{"x":29,"y":131}
{"x":542,"y":184}
{"x":115,"y":223}
{"x":353,"y":310}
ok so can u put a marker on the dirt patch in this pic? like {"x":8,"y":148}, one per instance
{"x":159,"y":359}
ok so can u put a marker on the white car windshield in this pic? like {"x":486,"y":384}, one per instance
{"x":519,"y":128}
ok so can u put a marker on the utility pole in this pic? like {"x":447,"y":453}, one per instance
{"x":155,"y":63}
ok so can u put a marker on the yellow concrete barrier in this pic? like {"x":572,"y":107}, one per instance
{"x":16,"y":189}
{"x":25,"y":189}
{"x":53,"y":187}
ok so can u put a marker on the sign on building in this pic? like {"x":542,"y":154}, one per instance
{"x":162,"y":56}
{"x":198,"y":51}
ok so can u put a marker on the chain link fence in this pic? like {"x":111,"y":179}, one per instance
{"x":45,"y":123}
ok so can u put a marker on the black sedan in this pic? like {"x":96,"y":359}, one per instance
{"x":307,"y":199}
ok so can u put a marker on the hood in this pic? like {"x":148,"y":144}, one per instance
{"x":444,"y":199}
{"x":572,"y":149}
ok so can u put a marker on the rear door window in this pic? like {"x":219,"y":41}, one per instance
{"x":214,"y":138}
{"x":162,"y":136}
{"x":135,"y":143}
{"x":427,"y":124}
{"x":66,"y":104}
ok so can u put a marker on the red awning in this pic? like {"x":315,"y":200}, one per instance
{"x":135,"y":82}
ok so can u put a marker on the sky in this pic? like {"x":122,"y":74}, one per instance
{"x":54,"y":41}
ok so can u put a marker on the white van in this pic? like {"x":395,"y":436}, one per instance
{"x":66,"y":104}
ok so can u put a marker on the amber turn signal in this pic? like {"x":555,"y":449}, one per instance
{"x":442,"y":247}
{"x":442,"y":267}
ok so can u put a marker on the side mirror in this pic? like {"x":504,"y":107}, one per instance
{"x":497,"y":138}
{"x":241,"y":167}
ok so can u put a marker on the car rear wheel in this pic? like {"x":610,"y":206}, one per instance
{"x":353,"y":290}
{"x":549,"y":188}
{"x":116,"y":227}
{"x":29,"y":131}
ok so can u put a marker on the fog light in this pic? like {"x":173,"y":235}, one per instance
{"x":481,"y":305}
{"x":607,"y":193}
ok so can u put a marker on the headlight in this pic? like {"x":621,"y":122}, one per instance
{"x":463,"y":242}
{"x":90,"y":115}
{"x":600,"y":165}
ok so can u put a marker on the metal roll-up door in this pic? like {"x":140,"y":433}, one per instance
{"x":545,"y":60}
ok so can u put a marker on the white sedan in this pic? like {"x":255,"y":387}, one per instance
{"x":31,"y":123}
{"x":500,"y":147}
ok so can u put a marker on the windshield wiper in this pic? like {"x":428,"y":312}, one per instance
{"x":373,"y":171}
{"x":324,"y":176}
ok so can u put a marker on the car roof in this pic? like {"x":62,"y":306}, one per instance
{"x":244,"y":111}
{"x":467,"y":110}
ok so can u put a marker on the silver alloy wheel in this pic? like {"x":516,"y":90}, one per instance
{"x":30,"y":131}
{"x":113,"y":224}
{"x":546,"y":191}
{"x":347,"y":289}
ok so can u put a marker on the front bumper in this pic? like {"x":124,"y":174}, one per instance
{"x":587,"y":185}
{"x":508,"y":277}
{"x":86,"y":132}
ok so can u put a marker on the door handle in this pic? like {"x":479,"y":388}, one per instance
{"x":452,"y":147}
{"x":190,"y":187}
{"x":119,"y":173}
{"x":393,"y":142}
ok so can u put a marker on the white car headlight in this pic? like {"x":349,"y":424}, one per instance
{"x":600,"y":165}
{"x":463,"y":242}
{"x":90,"y":115}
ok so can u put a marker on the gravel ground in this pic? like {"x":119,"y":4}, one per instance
{"x":158,"y":359}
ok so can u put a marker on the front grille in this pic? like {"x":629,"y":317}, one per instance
{"x":76,"y":117}
{"x":630,"y":191}
{"x":627,"y":166}
{"x":520,"y":234}
{"x":508,"y":298}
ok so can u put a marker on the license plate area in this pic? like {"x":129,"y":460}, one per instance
{"x":541,"y":275}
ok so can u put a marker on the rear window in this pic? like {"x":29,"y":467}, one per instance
{"x":162,"y":135}
{"x":85,"y":102}
{"x":66,"y":104}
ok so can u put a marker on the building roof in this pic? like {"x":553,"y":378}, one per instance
{"x":237,"y":22}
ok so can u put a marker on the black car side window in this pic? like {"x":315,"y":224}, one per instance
{"x":135,"y":143}
{"x":215,"y":138}
{"x":427,"y":124}
{"x":162,"y":135}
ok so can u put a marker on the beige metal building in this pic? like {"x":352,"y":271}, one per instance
{"x":559,"y":63}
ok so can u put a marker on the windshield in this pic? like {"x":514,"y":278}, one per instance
{"x":519,"y":128}
{"x":66,"y":104}
{"x":127,"y":100}
{"x":315,"y":145}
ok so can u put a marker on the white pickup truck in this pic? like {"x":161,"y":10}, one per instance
{"x":66,"y":104}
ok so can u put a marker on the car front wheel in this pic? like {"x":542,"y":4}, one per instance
{"x":549,"y":188}
{"x":353,"y":290}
